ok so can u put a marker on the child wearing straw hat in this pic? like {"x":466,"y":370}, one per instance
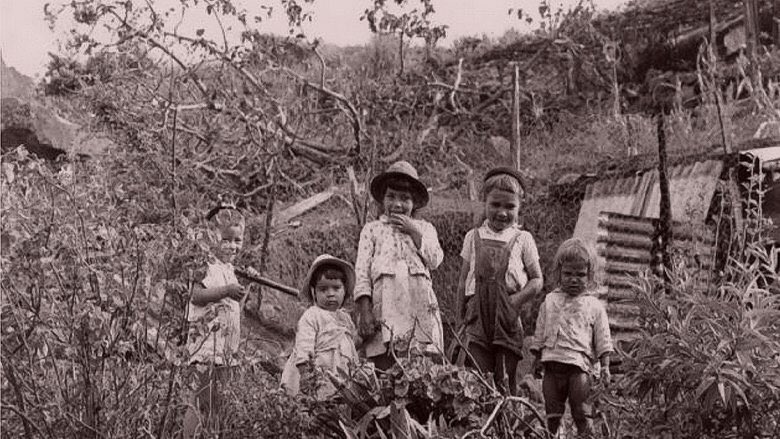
{"x":325,"y":333}
{"x":393,"y":290}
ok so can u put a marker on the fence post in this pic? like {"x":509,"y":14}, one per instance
{"x":514,"y":146}
{"x":665,"y":209}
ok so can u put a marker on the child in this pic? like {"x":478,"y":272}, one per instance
{"x":214,"y":313}
{"x":325,"y":332}
{"x":500,"y":272}
{"x":572,"y":326}
{"x":396,"y":254}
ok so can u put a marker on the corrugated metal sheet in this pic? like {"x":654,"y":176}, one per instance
{"x":626,"y":247}
{"x":691,"y":188}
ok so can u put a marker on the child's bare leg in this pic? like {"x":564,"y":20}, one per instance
{"x":579,"y":389}
{"x":555,"y":391}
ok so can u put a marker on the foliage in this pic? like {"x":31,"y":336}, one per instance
{"x":707,"y":362}
{"x":420,"y":397}
{"x":410,"y":24}
{"x":89,"y":349}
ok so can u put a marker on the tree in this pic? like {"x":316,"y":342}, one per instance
{"x":412,"y":24}
{"x":217,"y":96}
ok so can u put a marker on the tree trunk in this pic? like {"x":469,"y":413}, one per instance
{"x":401,"y":53}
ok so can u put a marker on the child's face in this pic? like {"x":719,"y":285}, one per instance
{"x":501,"y":208}
{"x":398,"y":202}
{"x":329,"y":293}
{"x":574,"y":277}
{"x":231,"y":240}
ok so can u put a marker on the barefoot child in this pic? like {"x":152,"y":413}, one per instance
{"x":325,"y":334}
{"x":214,"y":315}
{"x":500,"y":272}
{"x":395,"y":257}
{"x":572,"y":330}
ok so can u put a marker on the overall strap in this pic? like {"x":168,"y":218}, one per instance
{"x":507,"y":251}
{"x":477,"y":241}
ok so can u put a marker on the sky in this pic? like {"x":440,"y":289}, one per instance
{"x":25,"y":38}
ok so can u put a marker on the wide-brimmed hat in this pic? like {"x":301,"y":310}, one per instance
{"x":305,"y":292}
{"x":400,"y":170}
{"x":508,"y":171}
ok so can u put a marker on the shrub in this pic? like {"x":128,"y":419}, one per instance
{"x":706,"y":365}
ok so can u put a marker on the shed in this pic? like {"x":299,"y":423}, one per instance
{"x":619,"y":217}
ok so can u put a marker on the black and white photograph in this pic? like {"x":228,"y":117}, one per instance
{"x":390,"y":219}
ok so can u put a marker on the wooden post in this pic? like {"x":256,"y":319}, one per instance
{"x":751,"y":27}
{"x":713,"y":25}
{"x":665,"y":209}
{"x":514,"y":146}
{"x":776,"y":22}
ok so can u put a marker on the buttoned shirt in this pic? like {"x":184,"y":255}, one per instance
{"x":572,"y":330}
{"x":381,"y":247}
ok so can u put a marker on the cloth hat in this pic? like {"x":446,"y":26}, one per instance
{"x":402,"y":170}
{"x":305,"y":292}
{"x":508,"y":171}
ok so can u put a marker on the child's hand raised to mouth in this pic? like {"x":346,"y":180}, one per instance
{"x":404,"y":224}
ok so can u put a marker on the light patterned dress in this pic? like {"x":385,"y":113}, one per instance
{"x":572,"y":330}
{"x":215,"y":328}
{"x":397,"y":276}
{"x":327,"y":338}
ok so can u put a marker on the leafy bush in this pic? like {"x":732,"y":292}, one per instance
{"x":706,"y":364}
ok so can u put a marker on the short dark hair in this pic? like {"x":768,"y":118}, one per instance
{"x":328,"y":271}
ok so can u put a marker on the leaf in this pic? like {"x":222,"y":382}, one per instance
{"x":704,"y":386}
{"x":722,"y":392}
{"x":200,"y":32}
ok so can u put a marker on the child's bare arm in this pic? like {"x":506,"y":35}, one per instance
{"x":203,"y":296}
{"x":534,"y":271}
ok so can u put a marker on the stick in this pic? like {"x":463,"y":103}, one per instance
{"x":243,"y":272}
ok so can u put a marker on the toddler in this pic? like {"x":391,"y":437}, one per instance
{"x":500,"y":272}
{"x":214,"y":315}
{"x":396,"y":253}
{"x":325,"y":334}
{"x":572,"y":330}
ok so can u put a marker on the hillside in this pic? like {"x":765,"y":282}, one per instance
{"x":101,"y":253}
{"x":13,"y":84}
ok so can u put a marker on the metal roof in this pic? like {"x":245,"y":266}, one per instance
{"x":627,"y":248}
{"x":691,"y":188}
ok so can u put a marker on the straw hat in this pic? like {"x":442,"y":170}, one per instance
{"x":508,"y":171}
{"x":402,"y":170}
{"x":305,"y":292}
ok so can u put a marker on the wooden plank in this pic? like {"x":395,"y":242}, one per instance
{"x":303,"y":206}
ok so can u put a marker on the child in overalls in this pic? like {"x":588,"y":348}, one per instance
{"x":499,"y":274}
{"x":393,"y":290}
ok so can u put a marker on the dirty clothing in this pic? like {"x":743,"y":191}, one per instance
{"x":491,"y":322}
{"x":523,"y":253}
{"x":397,"y":276}
{"x":572,"y":330}
{"x":205,"y":343}
{"x":327,"y":338}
